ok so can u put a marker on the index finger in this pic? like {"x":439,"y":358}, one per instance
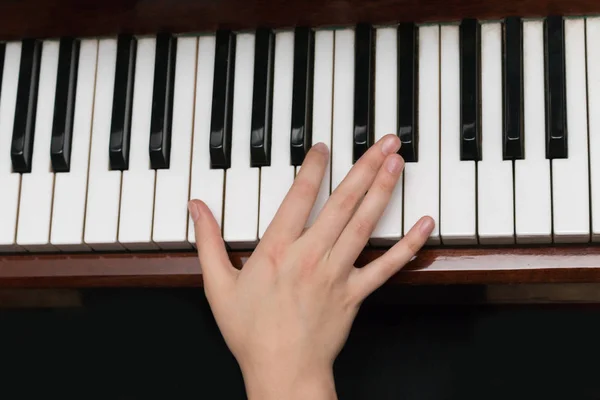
{"x":290,"y":219}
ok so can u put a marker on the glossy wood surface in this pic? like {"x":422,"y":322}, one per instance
{"x":431,"y":266}
{"x":48,"y":18}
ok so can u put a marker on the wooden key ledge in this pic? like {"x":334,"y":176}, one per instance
{"x":560,"y":264}
{"x":54,"y":18}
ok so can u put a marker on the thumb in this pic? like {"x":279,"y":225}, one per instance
{"x":216,"y":267}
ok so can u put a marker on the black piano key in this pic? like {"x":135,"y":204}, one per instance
{"x":470,"y":140}
{"x":222,"y":101}
{"x":162,"y":101}
{"x":64,"y":105}
{"x":363,"y":90}
{"x":262,"y":101}
{"x":514,"y":140}
{"x":556,"y":103}
{"x":26,"y":106}
{"x":2,"y":52}
{"x":407,"y":92}
{"x":120,"y":129}
{"x":301,"y":133}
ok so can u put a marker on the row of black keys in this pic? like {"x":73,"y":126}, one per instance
{"x":300,"y":135}
{"x":64,"y":105}
{"x":470,"y":93}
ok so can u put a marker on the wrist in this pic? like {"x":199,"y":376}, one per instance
{"x":286,"y":382}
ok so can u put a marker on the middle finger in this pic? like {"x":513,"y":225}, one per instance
{"x":343,"y":201}
{"x":356,"y":234}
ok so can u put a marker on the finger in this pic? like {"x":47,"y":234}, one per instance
{"x":366,"y":280}
{"x":358,"y":231}
{"x":217,"y":270}
{"x":343,"y":201}
{"x":290,"y":219}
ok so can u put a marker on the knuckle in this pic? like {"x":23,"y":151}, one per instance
{"x":363,"y":227}
{"x":309,"y":264}
{"x":385,"y":184}
{"x":276,"y":252}
{"x":348,"y":201}
{"x":312,"y":258}
{"x":413,"y":244}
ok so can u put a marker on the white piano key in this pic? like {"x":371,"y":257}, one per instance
{"x":276,"y":179}
{"x":570,"y":177}
{"x":37,"y":187}
{"x":422,"y":178}
{"x":343,"y":106}
{"x":457,"y":178}
{"x":10,"y":183}
{"x":533,"y":209}
{"x":137,"y":194}
{"x":593,"y":69}
{"x":242,"y":181}
{"x":206,"y":184}
{"x":495,"y":176}
{"x":172,"y":185}
{"x":322,"y":111}
{"x":104,"y":185}
{"x":389,"y":227}
{"x":68,"y":214}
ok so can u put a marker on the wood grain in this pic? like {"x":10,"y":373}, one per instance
{"x":51,"y":18}
{"x":569,"y":264}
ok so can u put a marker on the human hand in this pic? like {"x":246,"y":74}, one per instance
{"x":288,"y":312}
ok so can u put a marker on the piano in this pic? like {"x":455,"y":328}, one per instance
{"x":114,"y":114}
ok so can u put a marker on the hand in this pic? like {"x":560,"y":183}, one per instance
{"x":287,"y":313}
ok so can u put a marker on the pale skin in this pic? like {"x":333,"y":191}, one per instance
{"x":287,"y":313}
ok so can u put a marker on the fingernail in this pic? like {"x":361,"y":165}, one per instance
{"x":193,"y":208}
{"x":393,"y":165}
{"x":321,"y":148}
{"x":391,"y":145}
{"x":426,"y":226}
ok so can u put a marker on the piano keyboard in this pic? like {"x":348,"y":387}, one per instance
{"x":104,"y":140}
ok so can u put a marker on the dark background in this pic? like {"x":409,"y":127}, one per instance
{"x":155,"y":343}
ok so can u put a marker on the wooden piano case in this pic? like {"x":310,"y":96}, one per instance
{"x":80,"y":18}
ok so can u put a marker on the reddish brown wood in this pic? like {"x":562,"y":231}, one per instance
{"x":432,"y":266}
{"x":47,"y":18}
{"x":52,"y":18}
